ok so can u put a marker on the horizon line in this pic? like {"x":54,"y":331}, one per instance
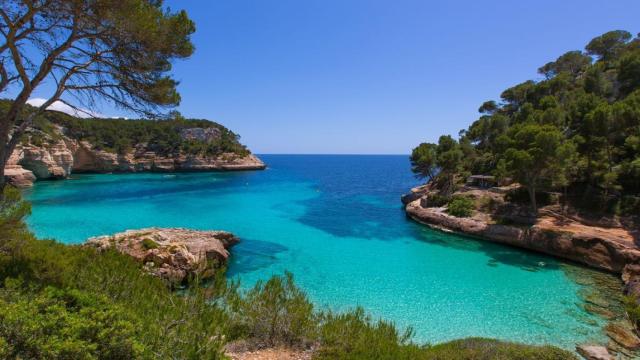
{"x":336,"y":154}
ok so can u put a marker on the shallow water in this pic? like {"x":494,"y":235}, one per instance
{"x":337,"y":224}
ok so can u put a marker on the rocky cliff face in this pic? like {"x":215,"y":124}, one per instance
{"x":58,"y":158}
{"x":172,"y":254}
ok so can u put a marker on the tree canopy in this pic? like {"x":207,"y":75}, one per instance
{"x":119,"y":51}
{"x":578,"y":127}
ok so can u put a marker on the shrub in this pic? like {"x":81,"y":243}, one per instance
{"x":489,"y":349}
{"x":67,"y":324}
{"x":353,"y":335}
{"x":437,"y":200}
{"x":460,"y":206}
{"x":488,"y":204}
{"x":277,"y":312}
{"x":149,"y":244}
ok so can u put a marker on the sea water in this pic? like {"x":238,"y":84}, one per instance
{"x":336,"y":223}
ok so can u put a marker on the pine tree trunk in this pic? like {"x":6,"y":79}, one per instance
{"x":3,"y":162}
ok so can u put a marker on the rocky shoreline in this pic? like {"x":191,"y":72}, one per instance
{"x":612,"y":249}
{"x":173,"y":254}
{"x":58,"y":158}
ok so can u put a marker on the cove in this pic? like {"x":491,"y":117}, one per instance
{"x":337,"y":224}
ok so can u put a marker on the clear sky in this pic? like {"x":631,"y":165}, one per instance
{"x":372,"y":76}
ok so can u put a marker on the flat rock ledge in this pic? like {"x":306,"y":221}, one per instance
{"x":173,"y":254}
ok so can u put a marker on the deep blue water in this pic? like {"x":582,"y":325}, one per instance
{"x":336,"y":222}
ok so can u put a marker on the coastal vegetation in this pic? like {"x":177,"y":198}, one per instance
{"x":162,"y":136}
{"x":575,"y":132}
{"x":72,"y":302}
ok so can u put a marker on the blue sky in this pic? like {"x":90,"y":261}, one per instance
{"x":371,"y":77}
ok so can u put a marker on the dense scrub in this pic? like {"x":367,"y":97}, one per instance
{"x":460,"y":206}
{"x":576,"y":131}
{"x":123,"y":135}
{"x":71,"y":302}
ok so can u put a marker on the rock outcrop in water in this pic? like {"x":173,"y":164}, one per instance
{"x":173,"y":254}
{"x":58,"y":158}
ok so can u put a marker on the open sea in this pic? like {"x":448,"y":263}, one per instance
{"x":336,"y":222}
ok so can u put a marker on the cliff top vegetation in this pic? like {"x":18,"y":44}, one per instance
{"x":576,"y":131}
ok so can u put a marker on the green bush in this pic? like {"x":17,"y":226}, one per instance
{"x":277,"y":312}
{"x":67,"y":324}
{"x":437,"y":200}
{"x":489,"y":349}
{"x":149,"y":244}
{"x":353,"y":335}
{"x":460,"y":206}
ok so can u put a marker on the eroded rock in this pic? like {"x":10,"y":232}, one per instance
{"x":173,"y":254}
{"x":593,"y":352}
{"x":18,"y":176}
{"x":619,"y":333}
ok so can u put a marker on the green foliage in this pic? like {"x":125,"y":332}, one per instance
{"x":277,"y":312}
{"x":149,"y":244}
{"x":608,"y":45}
{"x":578,"y":128}
{"x":489,"y":349}
{"x":12,"y":211}
{"x":441,"y":162}
{"x":67,"y":324}
{"x":160,"y":136}
{"x":437,"y":200}
{"x":460,"y":206}
{"x":353,"y":335}
{"x":423,"y":161}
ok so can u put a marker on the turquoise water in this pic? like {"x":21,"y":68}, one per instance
{"x":337,"y":224}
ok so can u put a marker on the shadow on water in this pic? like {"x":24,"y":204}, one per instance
{"x":251,"y":255}
{"x":373,"y":217}
{"x":354,"y":216}
{"x":498,"y":254}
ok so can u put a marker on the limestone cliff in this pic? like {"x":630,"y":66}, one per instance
{"x":57,"y":157}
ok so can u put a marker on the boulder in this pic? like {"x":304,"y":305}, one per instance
{"x":593,"y":352}
{"x":622,"y":336}
{"x":173,"y":254}
{"x":18,"y":176}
